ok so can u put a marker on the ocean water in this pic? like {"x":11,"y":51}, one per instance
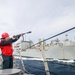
{"x":56,"y":68}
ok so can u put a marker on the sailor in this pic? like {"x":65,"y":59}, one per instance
{"x":7,"y":50}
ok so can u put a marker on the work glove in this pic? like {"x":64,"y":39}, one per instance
{"x":16,"y":36}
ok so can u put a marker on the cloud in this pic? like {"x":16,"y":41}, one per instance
{"x":43,"y":17}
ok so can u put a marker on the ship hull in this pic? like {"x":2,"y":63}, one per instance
{"x":56,"y":52}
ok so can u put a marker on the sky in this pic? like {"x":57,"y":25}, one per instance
{"x":44,"y":18}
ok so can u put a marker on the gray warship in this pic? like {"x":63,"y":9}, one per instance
{"x":57,"y":49}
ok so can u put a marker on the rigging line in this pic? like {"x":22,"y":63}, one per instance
{"x":52,"y":37}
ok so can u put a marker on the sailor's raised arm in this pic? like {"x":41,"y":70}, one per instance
{"x":9,"y":41}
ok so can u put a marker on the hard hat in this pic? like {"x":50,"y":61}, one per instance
{"x":4,"y":35}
